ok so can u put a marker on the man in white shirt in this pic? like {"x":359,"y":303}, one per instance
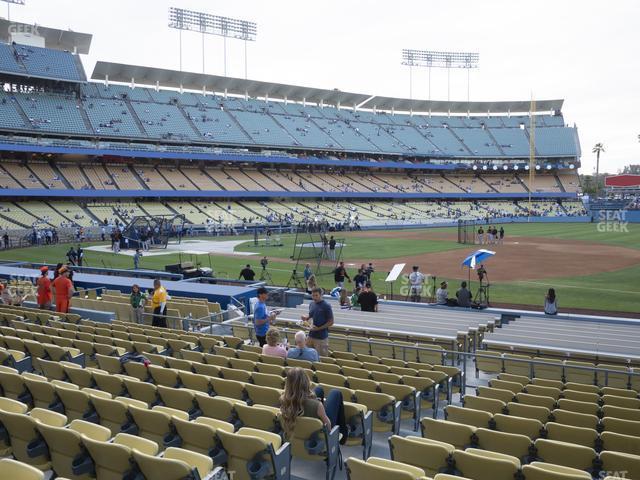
{"x":416,"y":282}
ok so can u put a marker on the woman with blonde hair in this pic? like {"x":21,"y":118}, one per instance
{"x":298,"y":400}
{"x":273,"y":347}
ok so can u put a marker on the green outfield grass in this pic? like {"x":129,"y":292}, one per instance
{"x":617,"y":291}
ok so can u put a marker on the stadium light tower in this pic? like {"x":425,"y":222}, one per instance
{"x":15,"y":2}
{"x":448,"y":60}
{"x":225,"y":27}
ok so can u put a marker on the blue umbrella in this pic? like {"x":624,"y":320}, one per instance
{"x":477,"y":257}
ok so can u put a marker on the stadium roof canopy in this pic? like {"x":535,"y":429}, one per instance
{"x":54,"y":38}
{"x":160,"y":77}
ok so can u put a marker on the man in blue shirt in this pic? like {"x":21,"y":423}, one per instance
{"x":301,"y":351}
{"x":321,"y":314}
{"x":262,"y":319}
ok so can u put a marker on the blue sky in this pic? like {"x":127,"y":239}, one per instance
{"x":583,"y":51}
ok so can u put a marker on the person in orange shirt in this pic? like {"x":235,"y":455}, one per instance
{"x":44,"y":289}
{"x":63,"y":290}
{"x":159,"y":304}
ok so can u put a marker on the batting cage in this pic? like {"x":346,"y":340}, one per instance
{"x":315,"y":249}
{"x":153,"y":231}
{"x":467,"y":231}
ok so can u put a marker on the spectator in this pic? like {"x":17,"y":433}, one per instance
{"x":71,"y":256}
{"x":247,"y":273}
{"x":5,"y":240}
{"x":369,"y":271}
{"x":442,"y":295}
{"x":159,"y":304}
{"x":264,"y":262}
{"x":339,"y":274}
{"x":298,"y":400}
{"x":321,"y":316}
{"x":136,"y":259}
{"x":368,"y":300}
{"x":463,"y":295}
{"x":262,"y":319}
{"x":551,"y":302}
{"x":307,"y":272}
{"x":345,"y":302}
{"x":79,"y":255}
{"x":416,"y":282}
{"x":332,"y":248}
{"x":354,"y":297}
{"x":501,"y":235}
{"x":137,"y":300}
{"x":273,"y":348}
{"x":301,"y":351}
{"x":62,"y":288}
{"x":311,"y":283}
{"x":360,"y":279}
{"x":44,"y":289}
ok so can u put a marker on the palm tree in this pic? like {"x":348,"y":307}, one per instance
{"x":597,"y":149}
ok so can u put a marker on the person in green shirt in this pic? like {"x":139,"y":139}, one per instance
{"x":137,"y":299}
{"x":354,"y":298}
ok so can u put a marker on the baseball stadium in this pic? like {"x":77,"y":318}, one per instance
{"x":207,"y":276}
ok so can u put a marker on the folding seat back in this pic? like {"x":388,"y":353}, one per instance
{"x":386,"y":410}
{"x":618,"y":425}
{"x":195,"y":381}
{"x":578,"y":375}
{"x":542,"y":391}
{"x":12,"y":386}
{"x":268,"y":380}
{"x":192,"y":356}
{"x":621,"y":412}
{"x":261,"y":417}
{"x":228,"y":388}
{"x":253,"y":453}
{"x":582,"y":387}
{"x":529,"y":411}
{"x":76,"y":404}
{"x":588,"y":408}
{"x":576,"y":419}
{"x":137,"y":370}
{"x":220,"y":408}
{"x":516,"y":445}
{"x":468,"y":416}
{"x":201,"y":435}
{"x":179,"y":364}
{"x":19,"y":471}
{"x":44,"y":394}
{"x":513,"y":387}
{"x":311,"y":440}
{"x":483,"y":465}
{"x":537,"y":400}
{"x":530,"y":427}
{"x":142,"y":391}
{"x":114,"y":460}
{"x":548,"y":471}
{"x":619,"y":392}
{"x":624,"y":402}
{"x":263,"y":395}
{"x":429,"y":455}
{"x":165,"y":376}
{"x":551,"y":370}
{"x":240,"y":364}
{"x":235,"y":374}
{"x":381,"y":469}
{"x":175,"y":464}
{"x":180,"y":399}
{"x":619,"y":442}
{"x":114,"y":415}
{"x":566,"y":454}
{"x":52,"y":370}
{"x":517,"y":364}
{"x":587,"y":437}
{"x":613,"y":463}
{"x":496,"y":393}
{"x":490,"y":405}
{"x":408,"y":397}
{"x":458,"y":435}
{"x":206,"y":369}
{"x":69,"y":458}
{"x":11,"y":406}
{"x":109,"y":364}
{"x":581,"y":396}
{"x":26,"y":442}
{"x":363,"y":384}
{"x":154,"y":425}
{"x":331,"y":379}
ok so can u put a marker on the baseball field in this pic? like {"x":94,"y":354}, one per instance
{"x":591,"y":268}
